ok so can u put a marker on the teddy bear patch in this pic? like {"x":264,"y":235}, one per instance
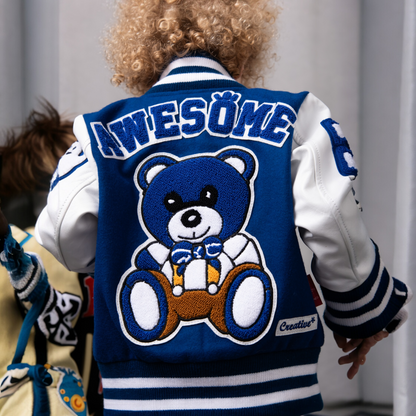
{"x":199,"y":264}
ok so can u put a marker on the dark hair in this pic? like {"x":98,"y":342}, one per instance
{"x":32,"y":152}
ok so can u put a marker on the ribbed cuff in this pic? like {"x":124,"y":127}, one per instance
{"x":367,"y":309}
{"x":33,"y":283}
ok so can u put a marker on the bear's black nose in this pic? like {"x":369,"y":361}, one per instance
{"x":191,"y":218}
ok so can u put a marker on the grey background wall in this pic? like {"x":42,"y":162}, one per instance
{"x":347,"y":52}
{"x":380,"y":82}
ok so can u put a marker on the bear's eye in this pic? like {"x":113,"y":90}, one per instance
{"x":209,"y":196}
{"x":173,"y":202}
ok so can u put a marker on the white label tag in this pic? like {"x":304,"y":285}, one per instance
{"x":297,"y":325}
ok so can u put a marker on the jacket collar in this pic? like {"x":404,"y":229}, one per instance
{"x":194,"y":72}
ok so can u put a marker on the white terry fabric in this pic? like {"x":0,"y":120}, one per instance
{"x":324,"y":208}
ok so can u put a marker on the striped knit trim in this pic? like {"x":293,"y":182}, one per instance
{"x":360,"y":291}
{"x":192,"y":77}
{"x":34,"y":283}
{"x":206,"y":392}
{"x":213,"y":403}
{"x":292,"y":408}
{"x":194,"y":72}
{"x":367,"y":309}
{"x":195,"y":85}
{"x":195,"y":61}
{"x":223,"y":381}
{"x":185,"y":70}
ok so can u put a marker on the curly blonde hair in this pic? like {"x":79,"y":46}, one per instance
{"x":148,"y":34}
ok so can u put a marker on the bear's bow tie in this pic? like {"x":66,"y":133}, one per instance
{"x":184,"y":252}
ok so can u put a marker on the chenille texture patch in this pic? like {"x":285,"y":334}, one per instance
{"x":341,"y":149}
{"x":199,"y":265}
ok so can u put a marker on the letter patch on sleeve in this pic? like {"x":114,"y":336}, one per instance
{"x":341,"y":149}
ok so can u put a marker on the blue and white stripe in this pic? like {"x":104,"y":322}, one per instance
{"x":26,"y":271}
{"x":228,"y":403}
{"x":367,"y":309}
{"x":192,"y":77}
{"x":194,"y":62}
{"x":291,"y":386}
{"x":183,"y":73}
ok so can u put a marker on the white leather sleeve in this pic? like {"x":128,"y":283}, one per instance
{"x":361,"y":297}
{"x":67,"y":226}
{"x":325,"y":210}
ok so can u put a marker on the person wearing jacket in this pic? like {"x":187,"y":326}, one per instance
{"x":184,"y":201}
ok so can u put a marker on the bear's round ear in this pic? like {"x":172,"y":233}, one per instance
{"x":242,"y":161}
{"x":151,"y":168}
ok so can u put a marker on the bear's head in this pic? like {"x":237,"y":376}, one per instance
{"x":193,"y":198}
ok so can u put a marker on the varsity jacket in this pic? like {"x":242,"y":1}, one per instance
{"x":184,"y":204}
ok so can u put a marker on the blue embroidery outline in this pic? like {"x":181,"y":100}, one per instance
{"x":340,"y":146}
{"x":127,"y":311}
{"x":60,"y":178}
{"x":247,"y":334}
